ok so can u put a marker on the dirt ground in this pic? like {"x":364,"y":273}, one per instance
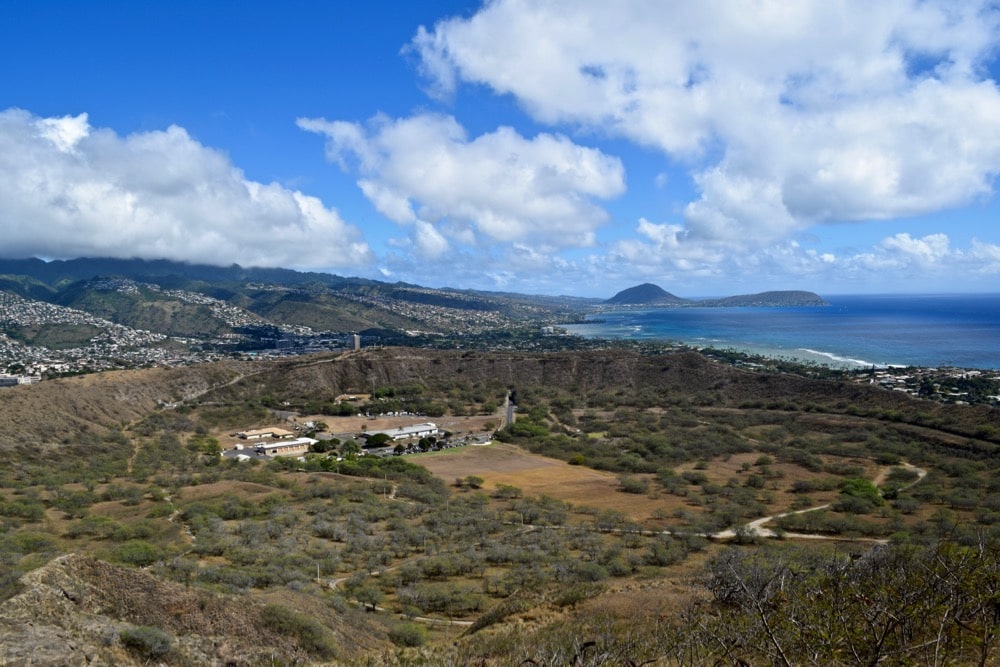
{"x":501,"y":463}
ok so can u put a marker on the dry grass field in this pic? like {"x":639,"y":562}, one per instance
{"x":508,"y":464}
{"x":503,"y":463}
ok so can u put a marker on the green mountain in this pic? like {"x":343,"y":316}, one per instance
{"x":779,"y":299}
{"x":646,"y":294}
{"x":649,"y":294}
{"x":193,"y":300}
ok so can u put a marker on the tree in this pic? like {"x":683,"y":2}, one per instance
{"x":896,"y":604}
{"x":369,"y":595}
{"x":350,"y":448}
{"x":320,"y":446}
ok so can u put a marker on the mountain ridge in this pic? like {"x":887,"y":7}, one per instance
{"x":172,"y":297}
{"x":649,"y":294}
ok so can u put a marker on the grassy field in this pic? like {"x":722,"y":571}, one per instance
{"x":507,"y":464}
{"x":503,"y":463}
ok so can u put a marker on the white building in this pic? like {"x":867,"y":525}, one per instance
{"x":257,"y":434}
{"x":289,"y":448}
{"x":403,"y":432}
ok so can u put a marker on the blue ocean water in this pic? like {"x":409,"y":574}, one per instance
{"x":854,"y":331}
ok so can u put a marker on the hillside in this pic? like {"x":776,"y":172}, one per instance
{"x":777,"y":299}
{"x":620,"y":509}
{"x":651,"y":295}
{"x":646,"y":294}
{"x":48,"y":414}
{"x":73,"y":608}
{"x":43,"y":419}
{"x":180,"y":299}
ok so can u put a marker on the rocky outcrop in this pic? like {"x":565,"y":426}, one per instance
{"x":75,"y":610}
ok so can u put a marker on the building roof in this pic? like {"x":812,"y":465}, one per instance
{"x":289,"y":444}
{"x":401,"y":432}
{"x":266,"y":432}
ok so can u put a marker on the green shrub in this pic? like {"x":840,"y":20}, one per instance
{"x":137,"y":552}
{"x":408,"y":634}
{"x":148,"y":642}
{"x":159,"y":511}
{"x":28,"y":542}
{"x":311,"y":635}
{"x":629,"y":484}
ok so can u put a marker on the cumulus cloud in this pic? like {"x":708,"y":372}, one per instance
{"x":68,"y":189}
{"x":929,"y":249}
{"x":988,"y":254}
{"x":497,"y":187}
{"x":787,"y":114}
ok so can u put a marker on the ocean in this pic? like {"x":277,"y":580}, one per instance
{"x":854,"y":331}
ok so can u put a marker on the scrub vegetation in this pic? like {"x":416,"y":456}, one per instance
{"x":641,"y":509}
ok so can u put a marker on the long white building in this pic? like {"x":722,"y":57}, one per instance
{"x":403,"y":432}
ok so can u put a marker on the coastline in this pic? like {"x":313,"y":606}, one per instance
{"x":853,"y":333}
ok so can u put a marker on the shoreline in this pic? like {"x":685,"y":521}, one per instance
{"x":854,"y":332}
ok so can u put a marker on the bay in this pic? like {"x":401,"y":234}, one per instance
{"x":961,"y":330}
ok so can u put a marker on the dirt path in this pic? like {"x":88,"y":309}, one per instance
{"x":756,"y":527}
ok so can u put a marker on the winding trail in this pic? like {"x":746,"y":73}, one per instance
{"x":756,"y":529}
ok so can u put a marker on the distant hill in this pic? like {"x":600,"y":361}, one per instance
{"x":180,"y":299}
{"x":773,"y":299}
{"x":649,"y":294}
{"x":646,"y":294}
{"x":227,"y":308}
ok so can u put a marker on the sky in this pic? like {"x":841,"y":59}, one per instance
{"x":573,"y":147}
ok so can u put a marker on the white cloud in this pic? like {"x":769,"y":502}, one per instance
{"x":502,"y":186}
{"x":788,"y":114}
{"x":70,"y":190}
{"x":930,"y":249}
{"x":64,"y":132}
{"x":988,"y":254}
{"x":902,"y":262}
{"x":430,"y":243}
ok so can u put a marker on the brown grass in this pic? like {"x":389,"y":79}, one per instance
{"x":502,"y":463}
{"x":225,"y":488}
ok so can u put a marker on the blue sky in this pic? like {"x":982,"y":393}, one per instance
{"x":561,"y":147}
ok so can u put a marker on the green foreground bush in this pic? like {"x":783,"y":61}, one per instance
{"x":408,"y":634}
{"x":311,"y":635}
{"x":146,"y":641}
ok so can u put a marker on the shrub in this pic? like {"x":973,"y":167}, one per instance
{"x":694,"y":477}
{"x":408,"y":634}
{"x":312,"y":635}
{"x":629,"y":484}
{"x":146,"y":641}
{"x":507,"y":492}
{"x":28,"y":542}
{"x":137,"y":552}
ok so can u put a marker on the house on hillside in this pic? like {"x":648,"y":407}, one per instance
{"x":257,"y":434}
{"x":291,"y":448}
{"x":425,"y":430}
